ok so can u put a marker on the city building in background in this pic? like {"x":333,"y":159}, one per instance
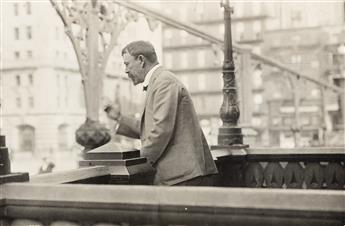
{"x":42,"y":99}
{"x":198,"y":63}
{"x":313,"y":46}
{"x":295,"y":35}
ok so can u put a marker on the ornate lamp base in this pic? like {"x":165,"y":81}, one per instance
{"x":229,"y":136}
{"x":92,"y":134}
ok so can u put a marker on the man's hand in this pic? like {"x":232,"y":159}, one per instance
{"x":113,"y":111}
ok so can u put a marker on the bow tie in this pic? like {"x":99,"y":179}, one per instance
{"x":145,"y":88}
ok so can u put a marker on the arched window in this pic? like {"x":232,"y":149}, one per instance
{"x":63,"y":137}
{"x":26,"y":138}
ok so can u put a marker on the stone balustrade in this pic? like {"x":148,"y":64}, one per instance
{"x":36,"y":204}
{"x":315,"y":168}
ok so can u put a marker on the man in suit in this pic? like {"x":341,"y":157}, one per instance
{"x":171,"y":137}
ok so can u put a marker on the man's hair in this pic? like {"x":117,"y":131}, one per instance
{"x":141,"y":48}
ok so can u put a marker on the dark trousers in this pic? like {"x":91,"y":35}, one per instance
{"x":207,"y":180}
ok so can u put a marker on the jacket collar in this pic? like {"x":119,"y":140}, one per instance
{"x":155,"y":74}
{"x":149,"y":75}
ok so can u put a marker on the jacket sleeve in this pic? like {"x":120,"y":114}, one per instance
{"x":165,"y":102}
{"x":129,"y":127}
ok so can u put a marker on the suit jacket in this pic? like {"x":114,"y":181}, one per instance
{"x":170,"y":133}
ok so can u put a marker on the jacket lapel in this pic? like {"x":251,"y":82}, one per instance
{"x":149,"y":91}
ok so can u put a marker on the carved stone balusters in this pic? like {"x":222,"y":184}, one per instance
{"x":274,"y":174}
{"x":334,"y":175}
{"x":294,"y":175}
{"x":313,"y":175}
{"x":254,"y":175}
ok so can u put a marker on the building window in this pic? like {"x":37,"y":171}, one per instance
{"x":59,"y":88}
{"x":31,"y":79}
{"x":183,"y":35}
{"x":296,"y":17}
{"x":168,"y":36}
{"x":28,"y":8}
{"x":66,"y":91}
{"x":16,"y":33}
{"x":256,"y":8}
{"x":344,"y":11}
{"x":184,"y":80}
{"x":199,"y":10}
{"x":17,"y":54}
{"x":257,"y":26}
{"x":258,"y":99}
{"x":257,"y":77}
{"x":305,"y":121}
{"x":63,"y":137}
{"x":29,"y":53}
{"x":296,"y":59}
{"x":31,"y":102}
{"x":18,"y":102}
{"x":183,"y":13}
{"x":29,"y":32}
{"x":276,"y":121}
{"x":201,"y":58}
{"x":198,"y":40}
{"x":315,"y":92}
{"x":184,"y":60}
{"x":57,"y":33}
{"x":58,"y":101}
{"x":168,"y":60}
{"x":238,"y":8}
{"x":202,"y":82}
{"x":221,"y":30}
{"x":15,"y":7}
{"x":287,"y":121}
{"x":239,"y":31}
{"x":18,"y":80}
{"x":26,"y":138}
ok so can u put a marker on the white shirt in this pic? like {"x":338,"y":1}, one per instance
{"x":149,"y":75}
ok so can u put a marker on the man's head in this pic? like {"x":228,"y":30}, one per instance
{"x":139,"y":57}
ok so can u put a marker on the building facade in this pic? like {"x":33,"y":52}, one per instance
{"x":198,"y":64}
{"x":262,"y":27}
{"x":303,"y":113}
{"x":42,"y":97}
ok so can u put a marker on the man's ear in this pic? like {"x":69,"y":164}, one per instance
{"x":142,"y":60}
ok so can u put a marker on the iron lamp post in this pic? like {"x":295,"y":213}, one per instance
{"x":229,"y":133}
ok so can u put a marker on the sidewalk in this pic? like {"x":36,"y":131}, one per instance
{"x":26,"y":162}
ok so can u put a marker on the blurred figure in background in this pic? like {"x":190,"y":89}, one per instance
{"x":47,"y":166}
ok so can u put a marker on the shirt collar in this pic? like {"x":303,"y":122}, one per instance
{"x":149,"y":75}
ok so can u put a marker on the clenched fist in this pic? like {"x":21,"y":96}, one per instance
{"x":113,"y":111}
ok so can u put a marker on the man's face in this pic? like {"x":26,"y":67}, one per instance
{"x":134,"y":68}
